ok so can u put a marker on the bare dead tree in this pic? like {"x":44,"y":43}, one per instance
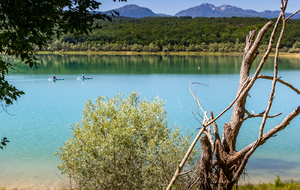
{"x":221,"y":164}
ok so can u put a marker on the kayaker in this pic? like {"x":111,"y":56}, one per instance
{"x":54,"y":77}
{"x":83,"y":76}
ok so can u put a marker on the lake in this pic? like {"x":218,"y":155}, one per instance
{"x":39,"y":122}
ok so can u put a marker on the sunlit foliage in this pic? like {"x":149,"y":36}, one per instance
{"x":26,"y":24}
{"x":123,"y":143}
{"x":154,"y":34}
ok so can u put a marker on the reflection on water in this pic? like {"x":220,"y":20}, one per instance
{"x":42,"y":116}
{"x":146,"y":64}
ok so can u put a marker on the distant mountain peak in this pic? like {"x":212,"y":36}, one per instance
{"x":207,"y":4}
{"x":132,"y":6}
{"x":135,"y":11}
{"x":209,"y":10}
{"x":223,"y":7}
{"x":211,"y":6}
{"x":203,"y":10}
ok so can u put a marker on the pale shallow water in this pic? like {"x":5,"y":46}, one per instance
{"x":40,"y":121}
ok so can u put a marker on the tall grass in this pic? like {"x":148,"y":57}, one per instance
{"x":277,"y":185}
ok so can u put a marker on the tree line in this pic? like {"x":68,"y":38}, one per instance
{"x":154,"y":34}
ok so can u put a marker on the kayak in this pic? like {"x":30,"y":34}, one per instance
{"x":52,"y":79}
{"x":81,"y":78}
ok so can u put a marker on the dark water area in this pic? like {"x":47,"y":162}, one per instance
{"x":147,"y":64}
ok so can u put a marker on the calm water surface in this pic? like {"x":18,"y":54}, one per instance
{"x":40,"y":121}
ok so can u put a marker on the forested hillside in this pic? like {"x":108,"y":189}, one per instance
{"x":174,"y":34}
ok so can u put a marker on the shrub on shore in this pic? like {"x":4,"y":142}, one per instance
{"x":124,"y":143}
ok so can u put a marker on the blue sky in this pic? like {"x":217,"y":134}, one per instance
{"x":172,"y":7}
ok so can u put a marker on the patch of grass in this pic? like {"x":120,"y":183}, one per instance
{"x":277,"y":185}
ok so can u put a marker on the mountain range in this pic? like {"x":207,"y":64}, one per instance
{"x":203,"y":10}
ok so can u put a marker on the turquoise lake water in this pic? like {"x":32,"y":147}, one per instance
{"x":39,"y":122}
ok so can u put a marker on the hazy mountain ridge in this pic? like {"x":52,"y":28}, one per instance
{"x":135,"y":11}
{"x":209,"y":10}
{"x":203,"y":10}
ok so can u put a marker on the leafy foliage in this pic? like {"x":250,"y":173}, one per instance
{"x":25,"y":24}
{"x":123,"y":143}
{"x":278,"y":182}
{"x":173,"y":34}
{"x":3,"y":142}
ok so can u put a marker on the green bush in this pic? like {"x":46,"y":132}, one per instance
{"x":124,"y":143}
{"x":278,"y":182}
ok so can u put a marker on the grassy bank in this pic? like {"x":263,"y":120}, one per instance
{"x":278,"y":185}
{"x":263,"y":186}
{"x":285,"y":186}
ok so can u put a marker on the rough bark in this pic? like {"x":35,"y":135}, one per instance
{"x":205,"y":164}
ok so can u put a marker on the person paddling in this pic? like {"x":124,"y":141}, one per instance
{"x":54,"y":77}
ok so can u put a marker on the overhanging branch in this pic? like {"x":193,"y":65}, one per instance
{"x":268,"y":134}
{"x":292,"y":15}
{"x":261,"y":115}
{"x":280,"y":81}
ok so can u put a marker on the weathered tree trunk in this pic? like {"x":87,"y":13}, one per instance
{"x":221,"y":164}
{"x":205,"y":164}
{"x":221,"y":173}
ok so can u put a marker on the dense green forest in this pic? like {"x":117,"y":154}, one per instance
{"x":153,"y":34}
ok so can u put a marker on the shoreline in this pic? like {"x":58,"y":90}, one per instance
{"x":181,"y":53}
{"x":36,"y":178}
{"x":136,"y":53}
{"x":64,"y":183}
